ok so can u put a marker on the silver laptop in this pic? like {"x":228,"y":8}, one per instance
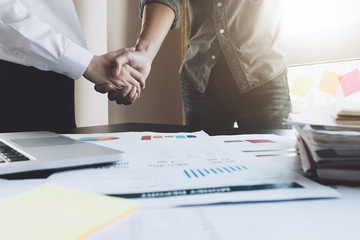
{"x":35,"y":151}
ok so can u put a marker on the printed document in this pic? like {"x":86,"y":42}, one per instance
{"x":177,"y":169}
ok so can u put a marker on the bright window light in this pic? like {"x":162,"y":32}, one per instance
{"x":303,"y":16}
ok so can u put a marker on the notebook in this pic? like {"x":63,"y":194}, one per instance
{"x":26,"y":152}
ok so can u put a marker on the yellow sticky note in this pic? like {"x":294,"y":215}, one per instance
{"x":329,"y":82}
{"x":301,"y":85}
{"x":52,"y":212}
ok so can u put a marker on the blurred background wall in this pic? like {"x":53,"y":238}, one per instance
{"x":111,"y":25}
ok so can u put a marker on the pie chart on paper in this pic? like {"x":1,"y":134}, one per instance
{"x":97,"y":139}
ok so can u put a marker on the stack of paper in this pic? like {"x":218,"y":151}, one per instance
{"x":347,"y":113}
{"x":329,"y":151}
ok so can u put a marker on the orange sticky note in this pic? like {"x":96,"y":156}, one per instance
{"x":330,"y":82}
{"x":301,"y":85}
{"x":350,"y":82}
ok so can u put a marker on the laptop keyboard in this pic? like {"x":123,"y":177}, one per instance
{"x":8,"y":154}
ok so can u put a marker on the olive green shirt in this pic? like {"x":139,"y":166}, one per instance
{"x":247,"y":32}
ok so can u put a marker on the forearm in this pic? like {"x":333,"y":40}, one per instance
{"x":156,"y":23}
{"x":26,"y":40}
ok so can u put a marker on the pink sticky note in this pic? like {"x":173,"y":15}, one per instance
{"x":350,"y":82}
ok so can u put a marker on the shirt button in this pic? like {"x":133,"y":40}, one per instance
{"x":219,"y":4}
{"x":222,"y":30}
{"x":213,"y":57}
{"x":66,"y":74}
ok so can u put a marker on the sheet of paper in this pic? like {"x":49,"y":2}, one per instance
{"x":52,"y":212}
{"x":321,"y":116}
{"x":297,"y":220}
{"x":188,"y":171}
{"x":280,"y":153}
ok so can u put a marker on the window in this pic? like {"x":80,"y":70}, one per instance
{"x":323,"y":48}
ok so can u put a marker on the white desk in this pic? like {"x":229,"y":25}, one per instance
{"x":311,"y":219}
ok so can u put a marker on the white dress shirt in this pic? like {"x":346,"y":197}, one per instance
{"x":45,"y":34}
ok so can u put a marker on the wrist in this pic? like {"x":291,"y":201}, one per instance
{"x":146,"y":49}
{"x":92,"y":71}
{"x":88,"y":71}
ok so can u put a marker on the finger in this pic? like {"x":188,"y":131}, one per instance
{"x":113,"y":95}
{"x":138,"y":77}
{"x":117,"y":64}
{"x":133,"y":81}
{"x":132,"y":94}
{"x":122,"y":101}
{"x":117,"y":97}
{"x":123,"y":98}
{"x":136,"y":96}
{"x":122,"y":93}
{"x":104,"y":88}
{"x":135,"y":85}
{"x":131,"y":97}
{"x":125,"y":74}
{"x":121,"y":59}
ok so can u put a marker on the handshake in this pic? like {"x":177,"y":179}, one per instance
{"x":120,"y":74}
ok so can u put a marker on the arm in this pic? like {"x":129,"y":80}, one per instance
{"x":157,"y":21}
{"x":24,"y":39}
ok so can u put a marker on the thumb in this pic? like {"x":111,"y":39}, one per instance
{"x":117,"y":64}
{"x":115,"y":71}
{"x":124,"y":56}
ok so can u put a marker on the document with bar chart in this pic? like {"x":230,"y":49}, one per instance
{"x":175,"y":169}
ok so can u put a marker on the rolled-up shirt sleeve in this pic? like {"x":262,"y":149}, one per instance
{"x":27,"y":40}
{"x":175,"y":5}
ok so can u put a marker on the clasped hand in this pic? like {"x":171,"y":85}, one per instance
{"x":121,"y":74}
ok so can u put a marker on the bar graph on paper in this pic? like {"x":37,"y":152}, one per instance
{"x":194,"y":173}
